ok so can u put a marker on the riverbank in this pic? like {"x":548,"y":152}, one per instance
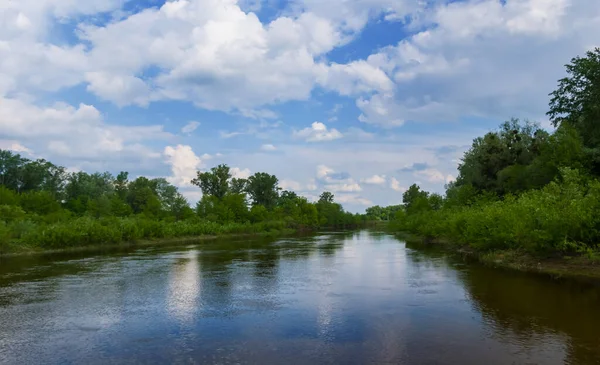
{"x":28,"y":250}
{"x":580,"y":267}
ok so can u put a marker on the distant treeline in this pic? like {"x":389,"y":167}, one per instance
{"x":42,"y":205}
{"x":521,"y":187}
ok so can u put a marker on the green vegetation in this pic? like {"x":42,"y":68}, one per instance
{"x":42,"y":206}
{"x":522,"y":188}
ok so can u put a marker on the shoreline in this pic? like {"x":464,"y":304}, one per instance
{"x":33,"y":251}
{"x":578,"y":267}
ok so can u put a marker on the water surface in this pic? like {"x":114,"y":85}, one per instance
{"x":334,"y":298}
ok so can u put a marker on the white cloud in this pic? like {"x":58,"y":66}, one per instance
{"x":355,"y":78}
{"x":318,"y":132}
{"x":184,"y":164}
{"x":288,"y":184}
{"x":343,"y":187}
{"x":375,"y":180}
{"x":352,"y":199}
{"x":323,"y":171}
{"x":190,"y":127}
{"x":14,"y":146}
{"x":336,"y":182}
{"x":75,"y":132}
{"x":240,"y":173}
{"x":268,"y":147}
{"x":202,"y":48}
{"x":482,"y":59}
{"x":395,"y":185}
{"x":431,"y":175}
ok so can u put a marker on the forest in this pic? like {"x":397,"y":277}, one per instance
{"x":522,"y":187}
{"x":42,"y":206}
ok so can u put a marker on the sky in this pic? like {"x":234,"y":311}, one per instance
{"x":358,"y":97}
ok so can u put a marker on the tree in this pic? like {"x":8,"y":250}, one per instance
{"x":576,"y":102}
{"x":414,"y":197}
{"x":214,"y":182}
{"x":514,"y":144}
{"x":82,"y":187}
{"x":326,"y":197}
{"x":10,"y":169}
{"x":141,"y":196}
{"x":263,"y":189}
{"x":120,"y":183}
{"x":238,"y":186}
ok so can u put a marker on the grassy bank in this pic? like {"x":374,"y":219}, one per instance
{"x":87,"y":233}
{"x":575,"y":266}
{"x":25,"y":250}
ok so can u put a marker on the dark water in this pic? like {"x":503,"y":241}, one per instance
{"x":351,"y":298}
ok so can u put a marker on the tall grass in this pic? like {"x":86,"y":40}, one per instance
{"x":90,"y":231}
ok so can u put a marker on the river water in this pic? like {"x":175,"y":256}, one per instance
{"x":334,"y":298}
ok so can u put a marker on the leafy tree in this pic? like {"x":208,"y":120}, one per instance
{"x":413,"y":196}
{"x":238,"y":186}
{"x":263,"y":190}
{"x":141,"y":196}
{"x":39,"y":202}
{"x":120,"y":183}
{"x":576,"y":101}
{"x":214,"y":182}
{"x":10,"y":170}
{"x":515,"y":144}
{"x":232,"y":208}
{"x":326,"y":197}
{"x":8,"y":196}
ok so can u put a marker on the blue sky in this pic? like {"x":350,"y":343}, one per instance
{"x":361,"y":98}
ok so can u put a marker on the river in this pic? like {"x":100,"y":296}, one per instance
{"x":333,"y":298}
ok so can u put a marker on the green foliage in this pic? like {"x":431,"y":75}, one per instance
{"x":214,"y":182}
{"x":8,"y":197}
{"x":263,"y":190}
{"x":326,"y":197}
{"x":42,"y":206}
{"x":576,"y":101}
{"x":377,"y":213}
{"x":498,"y":162}
{"x":39,"y":202}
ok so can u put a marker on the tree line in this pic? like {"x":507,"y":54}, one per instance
{"x":43,"y":205}
{"x":522,"y":187}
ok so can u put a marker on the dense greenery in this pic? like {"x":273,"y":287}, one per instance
{"x":521,"y":187}
{"x":42,"y":205}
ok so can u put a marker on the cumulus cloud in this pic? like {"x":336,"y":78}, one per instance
{"x":348,"y":187}
{"x":336,"y":181}
{"x":14,"y":146}
{"x":184,"y":164}
{"x":375,"y":180}
{"x":318,"y":132}
{"x":190,"y":127}
{"x":395,"y":185}
{"x":204,"y":47}
{"x":288,"y":184}
{"x":66,"y":131}
{"x":480,"y":58}
{"x":240,"y":173}
{"x":353,"y":199}
{"x":434,"y":175}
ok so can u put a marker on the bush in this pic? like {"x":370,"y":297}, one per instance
{"x":562,"y":216}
